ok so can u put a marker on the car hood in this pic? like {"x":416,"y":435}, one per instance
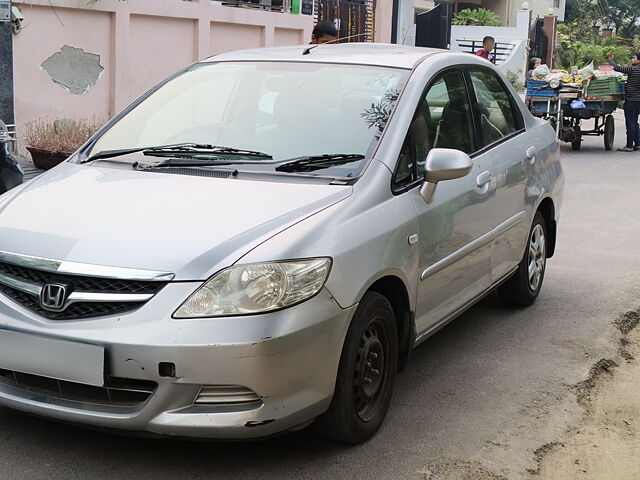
{"x":186,"y":225}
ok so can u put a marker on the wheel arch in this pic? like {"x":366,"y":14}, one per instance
{"x":548,"y":211}
{"x":395,"y":290}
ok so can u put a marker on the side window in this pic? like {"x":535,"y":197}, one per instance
{"x":443,"y":119}
{"x":497,"y":115}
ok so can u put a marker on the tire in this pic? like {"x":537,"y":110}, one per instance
{"x":358,"y":407}
{"x":609,"y":132}
{"x":577,"y":142}
{"x":520,"y":290}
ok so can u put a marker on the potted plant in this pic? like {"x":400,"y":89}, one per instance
{"x":50,"y":143}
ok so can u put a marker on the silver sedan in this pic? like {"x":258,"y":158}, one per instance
{"x":257,"y":243}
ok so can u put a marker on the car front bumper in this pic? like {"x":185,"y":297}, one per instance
{"x":288,"y":358}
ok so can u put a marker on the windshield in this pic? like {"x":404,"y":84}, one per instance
{"x":287,"y":110}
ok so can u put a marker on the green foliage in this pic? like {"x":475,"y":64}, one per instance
{"x":476,"y":17}
{"x":577,"y":46}
{"x":622,"y":15}
{"x":515,"y":80}
{"x":378,"y":115}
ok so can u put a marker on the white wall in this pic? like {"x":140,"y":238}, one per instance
{"x":538,"y":8}
{"x":516,"y":36}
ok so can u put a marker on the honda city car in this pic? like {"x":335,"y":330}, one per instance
{"x":257,"y":244}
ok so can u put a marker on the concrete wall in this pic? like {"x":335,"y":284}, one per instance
{"x":500,"y":8}
{"x":538,"y":8}
{"x":516,"y":37}
{"x":74,"y":60}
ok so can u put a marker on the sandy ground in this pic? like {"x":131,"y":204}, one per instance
{"x":607,"y":446}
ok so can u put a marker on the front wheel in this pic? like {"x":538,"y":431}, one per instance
{"x":523,"y":287}
{"x":366,"y":374}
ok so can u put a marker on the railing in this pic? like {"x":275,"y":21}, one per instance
{"x":501,"y":51}
{"x":270,"y":5}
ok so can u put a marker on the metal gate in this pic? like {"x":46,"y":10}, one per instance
{"x":538,"y":42}
{"x":433,"y":28}
{"x":355,"y":19}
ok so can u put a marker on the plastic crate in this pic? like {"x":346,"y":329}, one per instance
{"x":604,"y":88}
{"x":539,"y":88}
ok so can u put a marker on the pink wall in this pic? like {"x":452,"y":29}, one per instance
{"x":231,"y":36}
{"x":139,"y":42}
{"x":383,"y":21}
{"x":35,"y":93}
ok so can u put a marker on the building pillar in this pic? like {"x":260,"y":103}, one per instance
{"x":6,"y":73}
{"x":549,"y":28}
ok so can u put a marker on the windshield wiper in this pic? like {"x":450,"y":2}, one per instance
{"x":198,"y":151}
{"x":319,"y":162}
{"x":179,"y":149}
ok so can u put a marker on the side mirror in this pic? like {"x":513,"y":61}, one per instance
{"x":443,"y":164}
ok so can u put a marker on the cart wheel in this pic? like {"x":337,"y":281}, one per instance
{"x":576,"y":143}
{"x":609,"y":132}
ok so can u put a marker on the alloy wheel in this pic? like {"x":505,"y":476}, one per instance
{"x":537,"y":257}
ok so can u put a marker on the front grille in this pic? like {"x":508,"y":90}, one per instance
{"x":78,"y":282}
{"x":117,"y":392}
{"x":75,"y":283}
{"x":74,"y":311}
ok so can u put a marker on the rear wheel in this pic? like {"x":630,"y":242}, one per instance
{"x":576,"y":143}
{"x":609,"y":132}
{"x":523,"y":287}
{"x":366,"y":374}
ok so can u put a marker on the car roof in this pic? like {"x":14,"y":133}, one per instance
{"x":379,"y":54}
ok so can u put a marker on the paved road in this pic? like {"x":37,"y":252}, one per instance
{"x":481,"y":396}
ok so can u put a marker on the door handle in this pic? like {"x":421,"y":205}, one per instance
{"x":531,"y":154}
{"x":483,"y":179}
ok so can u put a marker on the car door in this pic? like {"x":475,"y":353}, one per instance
{"x":505,"y":146}
{"x":455,"y":265}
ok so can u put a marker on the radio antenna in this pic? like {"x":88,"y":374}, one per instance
{"x":307,"y":50}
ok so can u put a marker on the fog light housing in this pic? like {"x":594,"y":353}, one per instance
{"x":225,"y":395}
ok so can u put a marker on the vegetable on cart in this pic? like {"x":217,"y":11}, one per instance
{"x":565,"y":100}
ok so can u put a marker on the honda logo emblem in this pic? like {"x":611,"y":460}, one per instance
{"x":53,"y":297}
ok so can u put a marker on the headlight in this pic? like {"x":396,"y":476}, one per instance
{"x":256,"y":288}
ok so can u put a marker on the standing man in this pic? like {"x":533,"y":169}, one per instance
{"x":488,"y":44}
{"x":324,"y":32}
{"x":631,"y":102}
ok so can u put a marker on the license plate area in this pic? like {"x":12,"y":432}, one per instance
{"x":52,"y":358}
